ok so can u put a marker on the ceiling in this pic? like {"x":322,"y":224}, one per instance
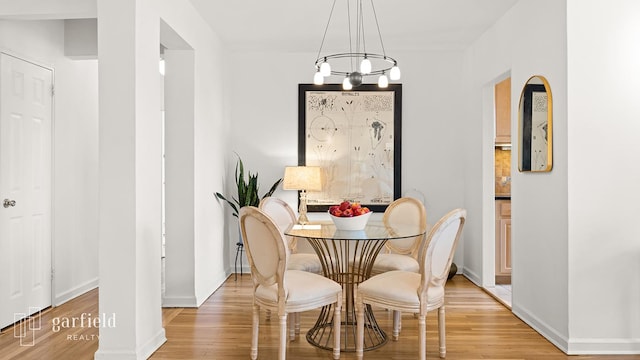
{"x":298,"y":25}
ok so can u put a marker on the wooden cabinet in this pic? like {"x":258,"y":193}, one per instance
{"x":503,"y":241}
{"x":503,"y":111}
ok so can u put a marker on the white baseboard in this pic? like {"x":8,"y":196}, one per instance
{"x":604,"y":346}
{"x":143,"y":352}
{"x":541,"y":327}
{"x":473,"y":277}
{"x":574,"y":346}
{"x":198,"y":299}
{"x":115,"y":355}
{"x":214,"y":285}
{"x":65,"y":296}
{"x":179,"y":301}
{"x":146,"y":350}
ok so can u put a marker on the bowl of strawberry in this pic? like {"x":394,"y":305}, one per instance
{"x":349,"y":216}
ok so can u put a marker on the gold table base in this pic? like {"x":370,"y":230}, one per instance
{"x":348,"y":262}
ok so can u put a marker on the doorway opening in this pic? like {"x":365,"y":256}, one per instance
{"x":497,"y":281}
{"x":178,"y":169}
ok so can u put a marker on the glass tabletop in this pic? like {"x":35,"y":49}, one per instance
{"x":375,"y":230}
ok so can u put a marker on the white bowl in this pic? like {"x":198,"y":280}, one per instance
{"x":351,"y":223}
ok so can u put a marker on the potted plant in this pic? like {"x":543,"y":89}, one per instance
{"x":247,"y":196}
{"x":247,"y":190}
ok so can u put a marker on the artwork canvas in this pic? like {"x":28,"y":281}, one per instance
{"x":535,"y":129}
{"x":354,"y":136}
{"x":539,"y":139}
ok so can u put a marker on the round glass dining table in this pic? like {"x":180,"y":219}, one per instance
{"x":347,"y":257}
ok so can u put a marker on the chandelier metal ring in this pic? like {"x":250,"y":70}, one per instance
{"x":390,"y":63}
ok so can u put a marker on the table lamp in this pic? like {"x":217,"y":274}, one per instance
{"x":303,"y":178}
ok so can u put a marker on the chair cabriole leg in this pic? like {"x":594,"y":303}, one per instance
{"x":336,"y":327}
{"x":397,"y":316}
{"x":359,"y":327}
{"x":254,"y":332}
{"x":283,"y":337}
{"x":441,"y":332}
{"x":422,"y":336}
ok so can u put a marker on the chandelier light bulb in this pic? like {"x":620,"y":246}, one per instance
{"x":395,"y":73}
{"x":346,"y":84}
{"x":365,"y":66}
{"x":383,"y":82}
{"x":318,"y":79}
{"x":325,"y":68}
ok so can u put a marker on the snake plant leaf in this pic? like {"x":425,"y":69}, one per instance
{"x":273,"y":188}
{"x":248,"y":190}
{"x":233,"y":206}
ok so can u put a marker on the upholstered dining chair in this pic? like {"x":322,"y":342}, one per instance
{"x":401,"y":254}
{"x":277,"y":288}
{"x":416,"y":292}
{"x":283,"y":216}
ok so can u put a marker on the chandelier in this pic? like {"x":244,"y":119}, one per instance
{"x":358,"y":63}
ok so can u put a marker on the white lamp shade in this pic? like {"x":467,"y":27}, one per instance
{"x":383,"y":82}
{"x":365,"y":66}
{"x":318,"y":79}
{"x":346,"y":84}
{"x":325,"y":69}
{"x":302,"y":178}
{"x":394,"y":74}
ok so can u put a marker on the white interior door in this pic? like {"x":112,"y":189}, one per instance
{"x":25,"y":188}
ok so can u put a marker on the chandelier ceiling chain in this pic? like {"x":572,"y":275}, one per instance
{"x":328,"y":65}
{"x":324,"y":36}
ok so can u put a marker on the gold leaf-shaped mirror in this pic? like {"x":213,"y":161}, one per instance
{"x":535,"y":135}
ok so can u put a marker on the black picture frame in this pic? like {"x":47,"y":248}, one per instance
{"x":332,"y":123}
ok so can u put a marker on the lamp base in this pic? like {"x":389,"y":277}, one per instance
{"x":302,"y":210}
{"x":303,"y":219}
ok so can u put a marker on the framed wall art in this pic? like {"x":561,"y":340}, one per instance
{"x":355,"y":137}
{"x":535,"y":126}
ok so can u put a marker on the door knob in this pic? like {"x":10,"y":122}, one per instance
{"x":6,"y":203}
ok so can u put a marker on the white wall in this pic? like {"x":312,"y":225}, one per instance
{"x":575,"y":252}
{"x":75,"y":152}
{"x":264,"y":125}
{"x":130,"y":116}
{"x":521,"y":44}
{"x":48,"y":9}
{"x":76,"y":172}
{"x":210,"y":144}
{"x":604,"y":133}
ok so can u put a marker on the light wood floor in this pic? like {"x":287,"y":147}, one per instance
{"x":478,"y":327}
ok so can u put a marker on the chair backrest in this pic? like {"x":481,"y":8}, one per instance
{"x":437,"y":254}
{"x":282,"y":214}
{"x":405,"y":210}
{"x":265,"y":246}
